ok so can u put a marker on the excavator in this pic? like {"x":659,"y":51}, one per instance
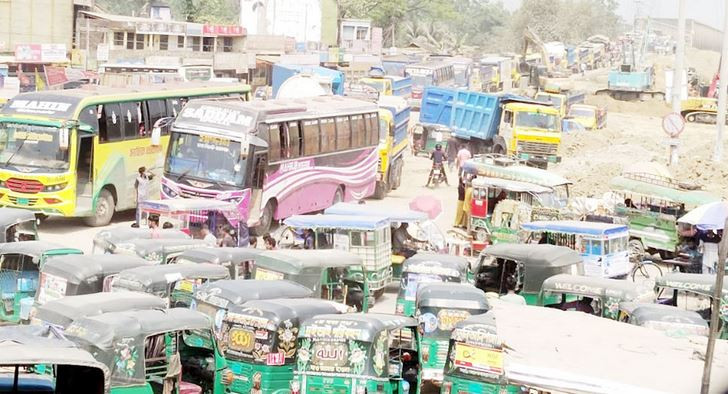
{"x":631,"y":80}
{"x":703,"y":109}
{"x":538,"y":74}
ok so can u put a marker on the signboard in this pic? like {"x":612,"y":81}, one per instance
{"x":673,"y":124}
{"x":157,"y":27}
{"x":223,"y":30}
{"x":45,"y":53}
{"x":479,"y":358}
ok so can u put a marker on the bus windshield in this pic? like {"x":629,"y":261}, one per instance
{"x":538,"y":120}
{"x":213,"y":158}
{"x":32,"y":146}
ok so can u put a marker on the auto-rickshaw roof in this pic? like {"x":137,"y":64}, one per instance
{"x":145,"y":247}
{"x":498,"y":166}
{"x":10,"y":216}
{"x":392,"y":214}
{"x":576,"y":227}
{"x":79,"y":268}
{"x":661,"y":188}
{"x":36,"y":249}
{"x":281,"y":309}
{"x":66,"y":310}
{"x":358,"y":326}
{"x":102,"y":329}
{"x":347,"y":222}
{"x":536,"y":255}
{"x":516,"y":186}
{"x":121,"y":234}
{"x":696,"y":283}
{"x":434,"y":260}
{"x":293,"y":261}
{"x":237,"y":291}
{"x":451,"y":295}
{"x":565,"y":356}
{"x":643,"y":313}
{"x":592,"y":286}
{"x":151,"y":275}
{"x":36,"y":335}
{"x":221,"y":255}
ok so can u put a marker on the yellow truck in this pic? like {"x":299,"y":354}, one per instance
{"x":560,"y":99}
{"x":394,"y":114}
{"x":590,"y":117}
{"x":531,"y":132}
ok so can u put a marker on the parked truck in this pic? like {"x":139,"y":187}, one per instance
{"x":389,"y":85}
{"x":394,"y":114}
{"x":498,"y":123}
{"x":331,"y":80}
{"x":561,"y":99}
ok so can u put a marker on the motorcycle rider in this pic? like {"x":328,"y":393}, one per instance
{"x":438,"y":157}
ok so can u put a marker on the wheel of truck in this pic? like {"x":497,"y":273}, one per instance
{"x":266,"y":218}
{"x":398,"y":174}
{"x":103,"y":211}
{"x":636,"y":250}
{"x":380,"y":190}
{"x":499,"y":149}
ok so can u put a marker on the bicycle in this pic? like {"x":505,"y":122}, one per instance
{"x":645,"y":269}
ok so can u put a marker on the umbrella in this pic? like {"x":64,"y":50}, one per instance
{"x":426,"y":204}
{"x":710,"y":216}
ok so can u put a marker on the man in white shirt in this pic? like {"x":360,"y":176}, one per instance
{"x":141,"y":184}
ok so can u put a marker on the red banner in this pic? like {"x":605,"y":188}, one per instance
{"x":223,"y":30}
{"x":61,"y":75}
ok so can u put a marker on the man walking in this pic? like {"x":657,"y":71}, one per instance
{"x":141,"y":185}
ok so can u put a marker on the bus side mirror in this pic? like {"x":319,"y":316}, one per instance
{"x":63,"y":138}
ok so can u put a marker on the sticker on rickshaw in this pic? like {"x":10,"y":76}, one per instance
{"x":448,"y":318}
{"x":479,"y":358}
{"x":262,"y":274}
{"x":330,"y":354}
{"x":51,"y":288}
{"x":241,"y":340}
{"x":429,"y":322}
{"x":275,"y":358}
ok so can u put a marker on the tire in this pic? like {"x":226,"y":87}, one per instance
{"x":499,"y":149}
{"x":103,"y":211}
{"x":378,"y":293}
{"x":338,"y":196}
{"x":636,"y":250}
{"x":646,"y":271}
{"x":690,"y":118}
{"x":265,"y":220}
{"x":380,"y":190}
{"x":398,"y":174}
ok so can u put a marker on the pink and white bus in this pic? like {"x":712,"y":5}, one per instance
{"x":274,"y":158}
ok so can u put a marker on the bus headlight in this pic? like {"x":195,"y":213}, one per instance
{"x":56,"y":187}
{"x":168,"y":191}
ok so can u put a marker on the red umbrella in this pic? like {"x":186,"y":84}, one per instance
{"x":426,"y":204}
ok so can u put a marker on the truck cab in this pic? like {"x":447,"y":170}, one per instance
{"x":532,"y":132}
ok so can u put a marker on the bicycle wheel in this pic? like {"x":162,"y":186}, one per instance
{"x":646,"y":271}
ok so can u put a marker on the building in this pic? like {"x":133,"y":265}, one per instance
{"x":697,"y":34}
{"x":25,"y":22}
{"x":312,"y":23}
{"x":116,"y":39}
{"x":358,"y":36}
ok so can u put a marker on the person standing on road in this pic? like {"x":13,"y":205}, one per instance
{"x":452,"y":146}
{"x":459,"y":209}
{"x":463,"y":156}
{"x":141,"y":185}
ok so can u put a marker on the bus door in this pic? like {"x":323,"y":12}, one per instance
{"x":84,"y":172}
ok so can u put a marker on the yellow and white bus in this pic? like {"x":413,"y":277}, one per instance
{"x":76,"y":153}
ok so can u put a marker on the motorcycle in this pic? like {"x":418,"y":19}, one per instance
{"x":437,"y":175}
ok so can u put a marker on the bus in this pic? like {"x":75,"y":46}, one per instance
{"x":274,"y":158}
{"x":440,"y":73}
{"x":111,"y":72}
{"x":76,"y":153}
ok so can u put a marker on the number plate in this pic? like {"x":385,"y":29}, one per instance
{"x":23,"y":201}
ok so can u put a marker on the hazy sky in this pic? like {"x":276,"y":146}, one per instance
{"x":709,"y":12}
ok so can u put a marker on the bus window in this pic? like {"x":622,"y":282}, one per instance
{"x":584,"y":246}
{"x":274,"y":144}
{"x":258,"y":170}
{"x":343,"y":133}
{"x":358,"y":131}
{"x":285,"y":143}
{"x":328,"y":135}
{"x":294,"y":140}
{"x":173,"y":107}
{"x":111,"y":130}
{"x":89,"y":117}
{"x":156,"y":109}
{"x":310,"y":137}
{"x":132,"y":125}
{"x":596,"y":247}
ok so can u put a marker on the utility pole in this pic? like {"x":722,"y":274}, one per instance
{"x":677,"y":74}
{"x":715,"y":306}
{"x":720,"y":122}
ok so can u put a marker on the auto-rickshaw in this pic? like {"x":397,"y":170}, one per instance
{"x":420,"y":226}
{"x":263,"y":363}
{"x":189,"y":214}
{"x":239,"y":261}
{"x":593,"y":295}
{"x":175,"y":283}
{"x":367,"y":237}
{"x":33,"y":360}
{"x":149,"y":351}
{"x":215,"y":298}
{"x":159,"y":251}
{"x":424,"y":268}
{"x":20,"y":263}
{"x":333,"y":275}
{"x":63,"y":276}
{"x":440,"y":306}
{"x":523,"y":268}
{"x":671,"y":320}
{"x":357,"y":353}
{"x":62,"y":312}
{"x":107,"y":241}
{"x":18,"y":225}
{"x":693,"y":292}
{"x":427,"y":136}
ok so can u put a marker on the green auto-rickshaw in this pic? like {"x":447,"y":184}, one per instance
{"x":18,"y":225}
{"x":591,"y":294}
{"x":259,"y":341}
{"x":523,"y":268}
{"x":357,"y":353}
{"x":215,"y":298}
{"x":148,"y":350}
{"x":671,"y":320}
{"x":239,"y":261}
{"x":107,"y":241}
{"x":424,"y":268}
{"x":159,"y":251}
{"x":62,"y":312}
{"x":71,"y":275}
{"x":331,"y":274}
{"x":20,"y":263}
{"x":440,"y":306}
{"x":175,"y":283}
{"x":693,"y":292}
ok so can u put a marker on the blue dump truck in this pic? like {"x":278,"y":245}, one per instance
{"x":331,"y":80}
{"x":498,"y":123}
